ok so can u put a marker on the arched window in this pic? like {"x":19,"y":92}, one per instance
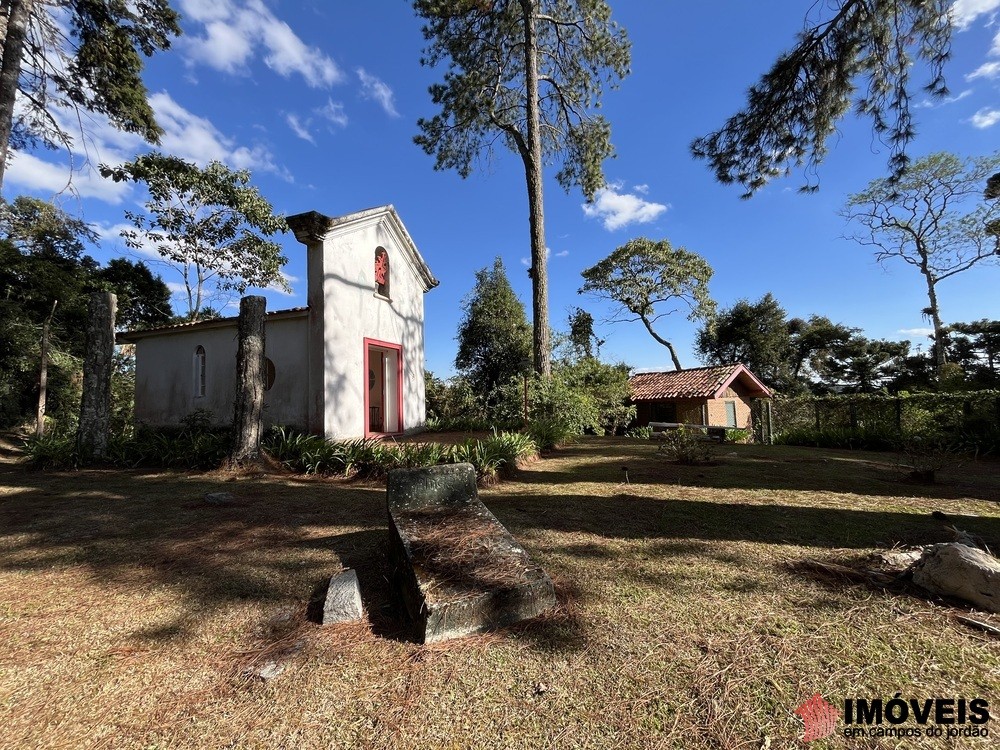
{"x":382,"y":271}
{"x":199,"y":371}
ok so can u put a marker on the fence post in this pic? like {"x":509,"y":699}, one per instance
{"x":770,"y":424}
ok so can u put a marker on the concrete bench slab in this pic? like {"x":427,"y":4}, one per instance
{"x":459,"y":571}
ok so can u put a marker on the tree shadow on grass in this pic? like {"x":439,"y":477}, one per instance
{"x":752,"y":467}
{"x":282,"y":538}
{"x":629,"y":516}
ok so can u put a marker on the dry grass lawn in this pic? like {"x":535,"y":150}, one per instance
{"x":132,"y":612}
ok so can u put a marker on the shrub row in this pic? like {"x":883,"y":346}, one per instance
{"x":184,"y":448}
{"x":202,"y":448}
{"x":969,"y":440}
{"x":370,"y":457}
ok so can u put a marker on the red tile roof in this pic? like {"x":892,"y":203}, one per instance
{"x":697,"y":382}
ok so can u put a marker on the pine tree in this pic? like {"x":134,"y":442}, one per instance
{"x":494,"y":338}
{"x":529,"y":74}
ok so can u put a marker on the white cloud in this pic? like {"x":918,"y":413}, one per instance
{"x":641,"y":188}
{"x":334,"y":112}
{"x":618,"y":209}
{"x":916,"y":332}
{"x":562,"y":254}
{"x":223,"y":47}
{"x":376,"y":89}
{"x":196,"y":139}
{"x":964,"y":12}
{"x":234,"y":32}
{"x":300,"y":129}
{"x":185,"y":135}
{"x":931,"y":104}
{"x":29,"y":172}
{"x":986,"y":70}
{"x":986,"y":118}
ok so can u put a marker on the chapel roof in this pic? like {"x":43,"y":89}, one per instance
{"x":128,"y":337}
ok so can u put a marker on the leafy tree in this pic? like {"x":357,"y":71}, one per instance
{"x":582,"y":339}
{"x":43,"y":260}
{"x":753,"y":333}
{"x":206,"y":223}
{"x":494,"y":337}
{"x":649,"y":280}
{"x":975,"y":347}
{"x":143,"y":298}
{"x":847,"y":46}
{"x":866,"y":365}
{"x":814,"y":343}
{"x":605,"y":387}
{"x":450,"y":400}
{"x":42,"y":229}
{"x":78,"y":54}
{"x":931,"y":218}
{"x":529,"y":74}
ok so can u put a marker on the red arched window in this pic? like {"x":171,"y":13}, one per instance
{"x":382,"y":271}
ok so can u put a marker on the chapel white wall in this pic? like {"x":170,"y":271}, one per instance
{"x":165,"y":375}
{"x":342,"y":285}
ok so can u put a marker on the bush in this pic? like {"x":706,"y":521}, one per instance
{"x":551,"y":433}
{"x":373,"y":458}
{"x":514,"y":447}
{"x":639,"y":433}
{"x":54,"y":450}
{"x":686,"y":447}
{"x":871,"y":438}
{"x":738,"y":435}
{"x":925,"y":455}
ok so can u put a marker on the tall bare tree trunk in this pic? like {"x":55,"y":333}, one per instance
{"x":940,"y":352}
{"x":95,"y":406}
{"x":248,"y":411}
{"x":10,"y":70}
{"x":536,"y":207}
{"x":43,"y":374}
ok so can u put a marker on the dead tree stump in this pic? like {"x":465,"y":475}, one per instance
{"x":98,"y":361}
{"x":248,"y":410}
{"x":962,"y":572}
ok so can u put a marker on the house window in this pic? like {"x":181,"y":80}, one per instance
{"x":382,"y":272}
{"x":268,"y":374}
{"x":199,"y":372}
{"x":730,"y":414}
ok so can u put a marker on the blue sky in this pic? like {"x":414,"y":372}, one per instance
{"x":320,"y":100}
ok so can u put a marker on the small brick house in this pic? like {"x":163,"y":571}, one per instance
{"x":718,"y":396}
